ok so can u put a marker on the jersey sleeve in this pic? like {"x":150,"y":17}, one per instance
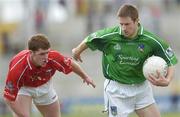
{"x":60,"y":62}
{"x":12,"y":85}
{"x":162,"y":49}
{"x":97,"y":39}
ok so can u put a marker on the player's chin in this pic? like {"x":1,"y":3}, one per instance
{"x":43,"y":64}
{"x":127,"y":35}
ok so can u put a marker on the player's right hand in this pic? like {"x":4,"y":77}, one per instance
{"x":76,"y":55}
{"x":89,"y":81}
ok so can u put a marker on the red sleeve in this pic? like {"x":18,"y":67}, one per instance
{"x":12,"y":83}
{"x":60,"y":62}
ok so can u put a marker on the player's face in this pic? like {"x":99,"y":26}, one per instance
{"x":40,"y":57}
{"x":128,"y":26}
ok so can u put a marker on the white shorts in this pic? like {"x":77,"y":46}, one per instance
{"x":122,"y":99}
{"x":42,"y":95}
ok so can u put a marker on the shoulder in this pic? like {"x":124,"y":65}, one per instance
{"x":53,"y":54}
{"x":152,"y":38}
{"x":21,"y":55}
{"x":150,"y":35}
{"x":20,"y":59}
{"x":57,"y":58}
{"x":102,"y":33}
{"x":111,"y":30}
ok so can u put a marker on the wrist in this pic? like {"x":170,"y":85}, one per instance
{"x":77,"y":51}
{"x":84,"y":78}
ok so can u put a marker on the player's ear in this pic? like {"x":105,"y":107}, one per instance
{"x":137,"y":20}
{"x":30,"y":51}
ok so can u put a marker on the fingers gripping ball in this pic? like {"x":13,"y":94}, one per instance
{"x":154,"y":64}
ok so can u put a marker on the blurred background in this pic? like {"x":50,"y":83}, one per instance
{"x":67,"y":23}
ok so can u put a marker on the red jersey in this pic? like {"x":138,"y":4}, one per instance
{"x":22,"y":72}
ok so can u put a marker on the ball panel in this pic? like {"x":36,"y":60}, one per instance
{"x":154,"y":64}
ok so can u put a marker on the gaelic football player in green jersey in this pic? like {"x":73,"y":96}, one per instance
{"x":125,"y":48}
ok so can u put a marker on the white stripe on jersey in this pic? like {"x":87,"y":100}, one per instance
{"x":107,"y":69}
{"x":17,"y":62}
{"x":21,"y":76}
{"x":142,"y":29}
{"x":59,"y":65}
{"x":29,"y":63}
{"x":103,"y":35}
{"x":160,"y":46}
{"x":109,"y":34}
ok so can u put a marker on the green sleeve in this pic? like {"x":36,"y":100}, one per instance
{"x":98,"y":40}
{"x":162,"y":49}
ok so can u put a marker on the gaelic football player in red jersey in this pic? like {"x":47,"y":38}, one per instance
{"x":29,"y":78}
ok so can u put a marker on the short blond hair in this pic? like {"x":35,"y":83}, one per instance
{"x":128,"y":10}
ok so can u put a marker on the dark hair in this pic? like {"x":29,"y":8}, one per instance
{"x":38,"y":41}
{"x":128,"y":10}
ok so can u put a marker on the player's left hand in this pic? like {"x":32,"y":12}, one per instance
{"x":158,"y":81}
{"x":89,"y":81}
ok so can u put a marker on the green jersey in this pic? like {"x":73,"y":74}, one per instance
{"x":123,"y":58}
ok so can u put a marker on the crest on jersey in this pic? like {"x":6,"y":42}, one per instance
{"x":117,"y":47}
{"x":141,"y":47}
{"x":113,"y":110}
{"x":169,"y":52}
{"x":10,"y":86}
{"x":48,"y":71}
{"x":35,"y":77}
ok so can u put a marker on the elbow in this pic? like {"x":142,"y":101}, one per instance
{"x":6,"y":100}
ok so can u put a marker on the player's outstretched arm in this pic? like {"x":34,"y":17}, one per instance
{"x":78,"y":70}
{"x":163,"y":81}
{"x":76,"y":52}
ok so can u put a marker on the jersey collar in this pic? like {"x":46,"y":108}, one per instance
{"x":29,"y":61}
{"x":140,"y":30}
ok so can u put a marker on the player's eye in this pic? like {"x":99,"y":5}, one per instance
{"x":43,"y":53}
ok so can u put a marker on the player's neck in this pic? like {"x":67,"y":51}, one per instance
{"x":134,"y":34}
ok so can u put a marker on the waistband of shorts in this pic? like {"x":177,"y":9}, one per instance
{"x":132,"y":84}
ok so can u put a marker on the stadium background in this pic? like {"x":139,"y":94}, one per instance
{"x":67,"y":22}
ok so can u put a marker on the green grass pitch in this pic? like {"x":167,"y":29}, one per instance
{"x":94,"y":111}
